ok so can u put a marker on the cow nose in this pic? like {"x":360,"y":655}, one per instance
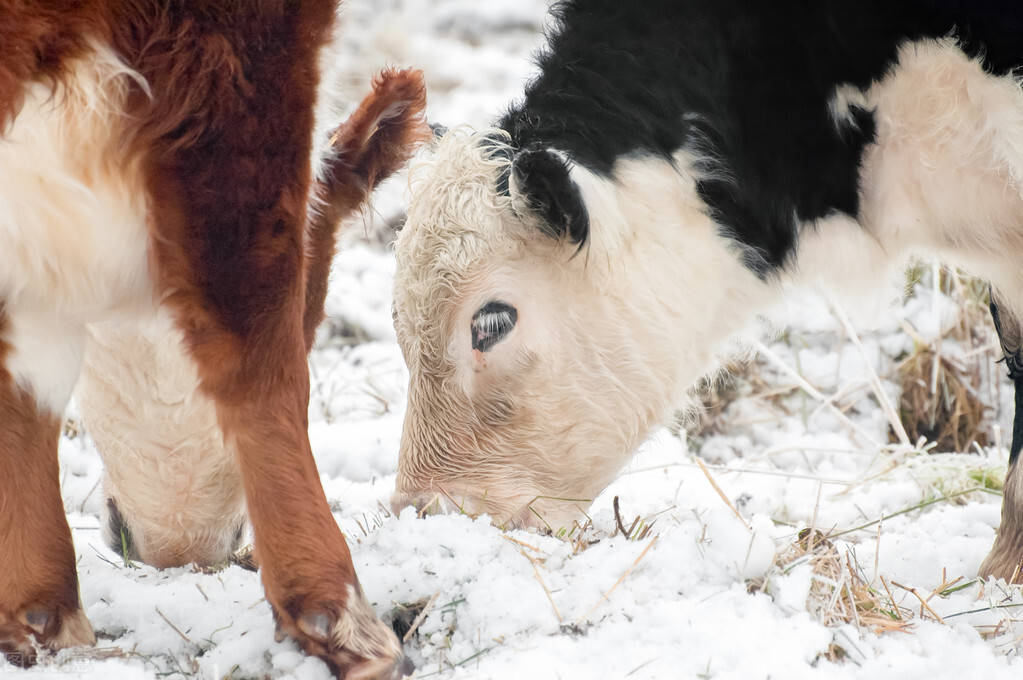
{"x":425,"y":502}
{"x":438,"y":501}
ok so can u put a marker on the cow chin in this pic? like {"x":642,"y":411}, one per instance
{"x":447,"y":500}
{"x":521,"y":511}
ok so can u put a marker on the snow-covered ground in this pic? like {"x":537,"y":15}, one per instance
{"x":695,"y":591}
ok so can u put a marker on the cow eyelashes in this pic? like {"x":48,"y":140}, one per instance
{"x":491,"y":323}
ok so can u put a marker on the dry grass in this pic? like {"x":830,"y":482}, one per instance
{"x":949,"y":394}
{"x":636,"y":531}
{"x":940,"y":402}
{"x":839,"y":593}
{"x":842,"y":594}
{"x":942,"y":396}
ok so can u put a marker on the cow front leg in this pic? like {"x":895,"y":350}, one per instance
{"x":229,"y":182}
{"x":306,"y":566}
{"x":1006,"y":557}
{"x":39,"y":600}
{"x":261,"y":393}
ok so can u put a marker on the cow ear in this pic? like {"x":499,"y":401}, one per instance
{"x":540,"y":184}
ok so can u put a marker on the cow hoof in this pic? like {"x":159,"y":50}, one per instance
{"x":16,"y":644}
{"x":354,"y":643}
{"x":22,"y":640}
{"x":1003,"y":562}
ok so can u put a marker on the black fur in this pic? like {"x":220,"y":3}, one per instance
{"x":745,"y":86}
{"x":1010,"y":336}
{"x":542,"y":177}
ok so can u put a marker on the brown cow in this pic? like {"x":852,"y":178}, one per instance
{"x":155,"y":167}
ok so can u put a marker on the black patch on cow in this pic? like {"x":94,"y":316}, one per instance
{"x":745,"y":86}
{"x":1010,"y":337}
{"x":491,"y":323}
{"x":542,"y":180}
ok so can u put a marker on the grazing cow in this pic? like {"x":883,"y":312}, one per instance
{"x":564,"y":278}
{"x":157,"y":178}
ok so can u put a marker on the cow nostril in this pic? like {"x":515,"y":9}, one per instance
{"x":430,"y":504}
{"x":426,"y":503}
{"x":121,"y":540}
{"x":399,"y":501}
{"x":239,"y":534}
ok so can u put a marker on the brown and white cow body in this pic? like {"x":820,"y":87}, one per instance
{"x":564,"y":278}
{"x":160,"y":222}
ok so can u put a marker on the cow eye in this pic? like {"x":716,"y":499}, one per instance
{"x":491,"y":323}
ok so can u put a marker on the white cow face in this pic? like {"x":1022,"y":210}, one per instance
{"x":538,"y":364}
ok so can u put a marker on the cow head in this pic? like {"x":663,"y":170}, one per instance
{"x":549,"y":317}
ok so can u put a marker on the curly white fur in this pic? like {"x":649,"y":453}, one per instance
{"x":609,"y":339}
{"x":536,"y":432}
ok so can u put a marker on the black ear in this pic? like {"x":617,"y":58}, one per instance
{"x":542,"y":182}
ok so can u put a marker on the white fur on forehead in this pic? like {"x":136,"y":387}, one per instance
{"x":457,"y":221}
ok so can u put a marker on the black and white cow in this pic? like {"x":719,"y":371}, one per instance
{"x":676,"y":166}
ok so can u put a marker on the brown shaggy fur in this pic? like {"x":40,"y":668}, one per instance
{"x":39,"y":38}
{"x":223,"y":134}
{"x":230,"y":128}
{"x":377,"y":139}
{"x":38,"y":569}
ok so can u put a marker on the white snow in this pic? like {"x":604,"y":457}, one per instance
{"x":675,"y":603}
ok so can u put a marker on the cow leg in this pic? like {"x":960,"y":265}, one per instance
{"x":1006,"y":556}
{"x":39,"y":598}
{"x":173,"y":490}
{"x":241,"y":309}
{"x":262,"y":401}
{"x":229,"y":175}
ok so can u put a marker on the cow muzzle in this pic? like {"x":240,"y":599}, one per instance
{"x":445,"y":501}
{"x":438,"y":501}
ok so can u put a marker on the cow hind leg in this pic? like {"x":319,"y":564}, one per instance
{"x":39,"y":599}
{"x":1006,"y":557}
